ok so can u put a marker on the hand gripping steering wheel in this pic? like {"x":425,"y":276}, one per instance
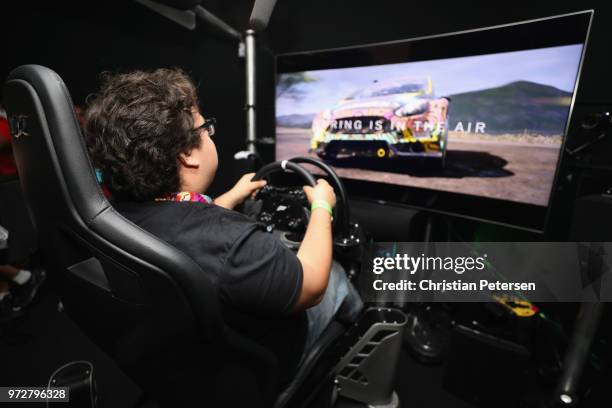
{"x":342,"y":213}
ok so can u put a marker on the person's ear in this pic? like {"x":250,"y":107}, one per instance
{"x":189,"y":160}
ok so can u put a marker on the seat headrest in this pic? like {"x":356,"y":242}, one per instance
{"x":58,"y":111}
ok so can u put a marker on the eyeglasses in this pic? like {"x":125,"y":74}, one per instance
{"x":208,"y":125}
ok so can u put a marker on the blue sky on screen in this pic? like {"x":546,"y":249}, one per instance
{"x":555,"y":66}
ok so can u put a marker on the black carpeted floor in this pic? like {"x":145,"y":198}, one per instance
{"x":44,"y":339}
{"x":420,"y":386}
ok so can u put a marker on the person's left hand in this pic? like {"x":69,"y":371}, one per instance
{"x":240,"y":192}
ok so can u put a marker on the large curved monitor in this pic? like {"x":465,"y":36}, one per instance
{"x":471,"y":123}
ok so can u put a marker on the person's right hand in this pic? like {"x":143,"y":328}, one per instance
{"x":322,"y":191}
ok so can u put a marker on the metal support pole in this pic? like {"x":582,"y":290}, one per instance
{"x":249,"y":40}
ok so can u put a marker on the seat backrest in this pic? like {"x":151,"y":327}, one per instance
{"x":118,"y":282}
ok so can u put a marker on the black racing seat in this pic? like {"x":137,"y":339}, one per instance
{"x":145,"y":303}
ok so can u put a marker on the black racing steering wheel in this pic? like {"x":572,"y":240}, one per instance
{"x":282,"y":208}
{"x":341,"y":223}
{"x":285,"y":165}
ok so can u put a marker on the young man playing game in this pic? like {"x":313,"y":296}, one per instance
{"x":157,"y":157}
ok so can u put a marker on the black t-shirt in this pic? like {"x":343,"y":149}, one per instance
{"x":258,"y":278}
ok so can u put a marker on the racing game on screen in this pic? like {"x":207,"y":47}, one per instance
{"x":488,"y":125}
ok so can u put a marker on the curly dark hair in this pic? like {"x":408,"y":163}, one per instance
{"x":137,"y":126}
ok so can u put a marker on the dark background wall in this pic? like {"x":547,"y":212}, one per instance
{"x":80,"y":40}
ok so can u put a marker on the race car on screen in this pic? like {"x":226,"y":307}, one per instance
{"x":390,"y":118}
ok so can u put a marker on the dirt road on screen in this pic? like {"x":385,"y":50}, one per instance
{"x":505,"y":170}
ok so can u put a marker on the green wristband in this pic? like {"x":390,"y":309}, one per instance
{"x":322,"y":204}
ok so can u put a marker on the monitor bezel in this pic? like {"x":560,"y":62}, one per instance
{"x":525,"y":216}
